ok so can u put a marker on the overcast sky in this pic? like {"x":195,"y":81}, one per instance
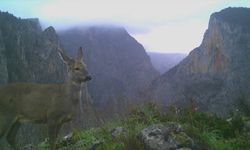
{"x":175,"y":26}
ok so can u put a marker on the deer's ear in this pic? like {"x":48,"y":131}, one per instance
{"x":64,"y":57}
{"x":79,"y":55}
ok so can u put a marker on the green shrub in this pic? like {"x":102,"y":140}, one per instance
{"x":209,"y":131}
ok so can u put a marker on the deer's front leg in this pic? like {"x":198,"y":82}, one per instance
{"x":52,"y":134}
{"x":53,"y":130}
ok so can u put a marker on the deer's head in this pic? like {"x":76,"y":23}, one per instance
{"x":76,"y":68}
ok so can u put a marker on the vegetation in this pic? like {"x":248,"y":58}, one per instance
{"x":209,"y":131}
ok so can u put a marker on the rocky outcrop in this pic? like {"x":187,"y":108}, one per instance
{"x":216,"y":74}
{"x":165,"y":61}
{"x":165,"y":137}
{"x":115,"y":132}
{"x":120,"y":67}
{"x":246,"y":128}
{"x":28,"y":54}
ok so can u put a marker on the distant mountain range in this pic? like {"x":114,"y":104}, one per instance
{"x":215,"y":76}
{"x":165,"y":61}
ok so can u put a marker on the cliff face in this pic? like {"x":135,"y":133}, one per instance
{"x":27,"y":53}
{"x":3,"y":62}
{"x":216,"y":74}
{"x":118,"y":63}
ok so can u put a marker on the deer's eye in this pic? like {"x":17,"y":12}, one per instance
{"x":77,"y":68}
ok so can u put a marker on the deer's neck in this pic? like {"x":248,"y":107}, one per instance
{"x":74,"y":90}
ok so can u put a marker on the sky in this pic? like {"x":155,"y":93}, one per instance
{"x":167,"y":26}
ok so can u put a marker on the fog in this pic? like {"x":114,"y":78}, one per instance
{"x":160,"y":25}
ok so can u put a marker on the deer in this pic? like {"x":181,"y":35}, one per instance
{"x":50,"y":104}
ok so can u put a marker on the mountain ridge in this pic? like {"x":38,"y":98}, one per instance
{"x":215,"y":74}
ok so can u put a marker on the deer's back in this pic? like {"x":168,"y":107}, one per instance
{"x":35,"y":101}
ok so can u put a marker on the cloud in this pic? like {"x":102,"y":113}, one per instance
{"x":160,"y":25}
{"x":148,"y":13}
{"x":180,"y":37}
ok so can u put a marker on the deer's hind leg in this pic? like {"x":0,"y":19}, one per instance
{"x":11,"y":135}
{"x":5,"y":123}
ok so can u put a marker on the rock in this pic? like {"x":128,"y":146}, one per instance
{"x":116,"y":132}
{"x":28,"y":52}
{"x":246,"y":128}
{"x":3,"y":63}
{"x":68,"y":137}
{"x":28,"y":147}
{"x":165,"y":137}
{"x":66,"y":140}
{"x":215,"y":75}
{"x":95,"y":145}
{"x":184,"y":148}
{"x":78,"y":145}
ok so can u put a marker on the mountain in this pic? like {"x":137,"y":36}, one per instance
{"x":165,"y":61}
{"x":120,"y":67}
{"x":216,"y":75}
{"x":27,"y":53}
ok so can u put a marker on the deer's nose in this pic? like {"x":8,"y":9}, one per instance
{"x":88,"y":78}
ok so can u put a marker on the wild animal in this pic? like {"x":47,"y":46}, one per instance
{"x":51,"y":104}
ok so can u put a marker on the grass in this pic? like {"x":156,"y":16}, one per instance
{"x":209,"y":131}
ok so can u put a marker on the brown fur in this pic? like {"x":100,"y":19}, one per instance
{"x":53,"y":104}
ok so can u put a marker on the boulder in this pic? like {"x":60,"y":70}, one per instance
{"x":115,"y":132}
{"x":165,"y":137}
{"x":246,"y":128}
